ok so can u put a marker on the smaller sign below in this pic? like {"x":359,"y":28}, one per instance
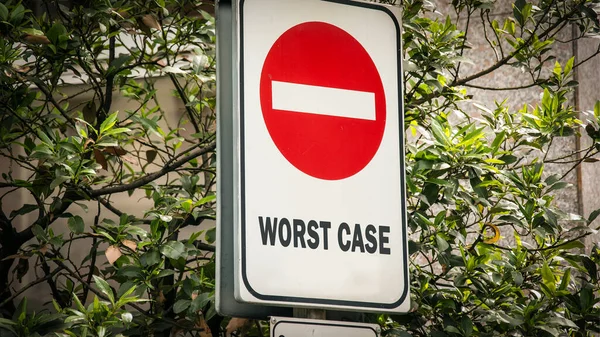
{"x":300,"y":327}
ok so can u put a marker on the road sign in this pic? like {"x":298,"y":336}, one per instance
{"x":321,"y":208}
{"x":325,"y":116}
{"x":294,"y":327}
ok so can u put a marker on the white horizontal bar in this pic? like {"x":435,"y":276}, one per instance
{"x":323,"y":100}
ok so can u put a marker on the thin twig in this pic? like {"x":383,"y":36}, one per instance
{"x":25,"y":288}
{"x":153,"y":176}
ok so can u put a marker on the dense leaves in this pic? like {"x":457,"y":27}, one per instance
{"x":64,"y":71}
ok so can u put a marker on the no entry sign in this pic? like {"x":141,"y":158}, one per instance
{"x":321,"y":213}
{"x":322,"y":100}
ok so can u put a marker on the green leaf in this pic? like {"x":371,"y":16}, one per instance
{"x":211,"y":235}
{"x":498,"y":141}
{"x":23,"y":210}
{"x":430,"y":192}
{"x":513,"y":321}
{"x":564,"y":283}
{"x":552,"y":331}
{"x":466,"y":325}
{"x":108,"y":123}
{"x":548,"y":277}
{"x":76,"y":224}
{"x":150,"y":258}
{"x":116,"y":131}
{"x":591,"y":267}
{"x":104,"y":288}
{"x":181,"y":306}
{"x":6,"y":322}
{"x":562,"y":322}
{"x":594,"y":215}
{"x":135,"y":230}
{"x":131,"y":271}
{"x":571,"y":245}
{"x":442,"y":244}
{"x":58,"y":181}
{"x":586,"y":298}
{"x":16,"y":16}
{"x":205,"y":200}
{"x":517,"y":9}
{"x":199,"y":302}
{"x":173,"y":249}
{"x":493,"y":161}
{"x":517,"y":277}
{"x":3,"y":13}
{"x":165,"y":273}
{"x":55,"y":32}
{"x":569,"y":66}
{"x":438,"y":133}
{"x":558,"y":186}
{"x":39,"y":232}
{"x":119,"y":62}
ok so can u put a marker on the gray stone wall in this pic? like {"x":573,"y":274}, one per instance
{"x":588,"y":93}
{"x":583,"y":196}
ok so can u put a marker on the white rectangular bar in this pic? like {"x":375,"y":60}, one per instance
{"x":323,"y":100}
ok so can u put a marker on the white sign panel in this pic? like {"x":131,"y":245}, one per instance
{"x":321,"y":180}
{"x":293,"y":327}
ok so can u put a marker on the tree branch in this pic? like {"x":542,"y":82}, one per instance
{"x":153,"y":176}
{"x":117,"y":212}
{"x":508,"y":57}
{"x":188,"y":108}
{"x":536,"y":83}
{"x":25,"y":288}
{"x":49,"y":218}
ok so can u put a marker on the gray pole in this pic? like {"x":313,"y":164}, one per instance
{"x":310,"y":313}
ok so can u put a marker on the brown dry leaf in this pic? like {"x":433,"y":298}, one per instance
{"x":235,"y":323}
{"x":201,"y":323}
{"x":21,"y":69}
{"x":150,"y":21}
{"x":112,"y":254}
{"x":115,"y":150}
{"x":129,"y":244}
{"x":89,"y":112}
{"x":36,"y":39}
{"x":151,"y":155}
{"x":100,"y":159}
{"x":88,"y":142}
{"x":44,"y":249}
{"x":161,"y":297}
{"x":16,"y":256}
{"x":122,"y":13}
{"x":22,"y":268}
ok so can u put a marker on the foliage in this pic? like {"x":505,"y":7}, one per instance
{"x":81,"y":161}
{"x":491,"y":253}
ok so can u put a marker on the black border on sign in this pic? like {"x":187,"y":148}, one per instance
{"x":324,"y":301}
{"x":323,"y":324}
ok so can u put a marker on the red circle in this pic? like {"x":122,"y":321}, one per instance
{"x":322,"y":146}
